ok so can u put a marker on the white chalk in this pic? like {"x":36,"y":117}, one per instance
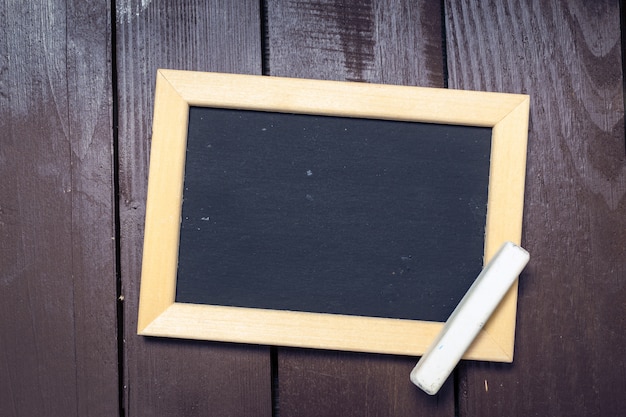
{"x":469,"y":317}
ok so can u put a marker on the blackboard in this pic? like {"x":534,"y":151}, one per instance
{"x":331,"y":214}
{"x":324,"y":214}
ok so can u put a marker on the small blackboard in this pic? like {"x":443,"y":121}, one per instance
{"x":331,"y":214}
{"x":327,"y":214}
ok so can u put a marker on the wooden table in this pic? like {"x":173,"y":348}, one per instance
{"x":76,"y":95}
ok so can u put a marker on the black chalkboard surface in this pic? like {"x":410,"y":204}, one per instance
{"x":331,"y":214}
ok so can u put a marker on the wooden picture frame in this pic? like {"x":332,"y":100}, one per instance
{"x":159,"y":313}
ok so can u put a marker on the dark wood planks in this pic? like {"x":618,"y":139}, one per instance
{"x":93,"y":246}
{"x":57,"y":280}
{"x":572,"y":309}
{"x":178,"y":377}
{"x":324,"y":383}
{"x":390,"y":42}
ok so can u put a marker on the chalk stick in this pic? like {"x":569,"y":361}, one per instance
{"x":469,"y":317}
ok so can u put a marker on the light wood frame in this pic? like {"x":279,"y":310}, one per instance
{"x":176,"y":91}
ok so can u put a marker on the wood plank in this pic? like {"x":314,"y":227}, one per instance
{"x":177,"y":377}
{"x":323,"y":383}
{"x":93,"y":246}
{"x":57,"y":287}
{"x":571,"y":316}
{"x":396,"y":42}
{"x":390,"y":42}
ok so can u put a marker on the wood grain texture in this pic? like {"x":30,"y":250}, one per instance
{"x":389,"y":42}
{"x":93,"y":246}
{"x":386,"y":42}
{"x":57,"y":285}
{"x":166,"y":377}
{"x":571,"y":314}
{"x":323,"y":383}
